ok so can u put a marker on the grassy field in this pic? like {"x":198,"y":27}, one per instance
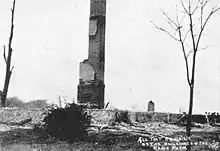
{"x":35,"y":140}
{"x":102,"y":135}
{"x":30,"y":140}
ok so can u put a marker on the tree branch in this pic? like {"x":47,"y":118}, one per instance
{"x":201,"y":17}
{"x":4,"y":55}
{"x":177,"y":16}
{"x":192,"y":30}
{"x":12,"y":24}
{"x":186,"y":35}
{"x":164,"y":30}
{"x":183,"y":18}
{"x":204,"y":48}
{"x":184,"y":7}
{"x":12,"y":68}
{"x":214,"y":10}
{"x":189,"y":10}
{"x":197,"y":6}
{"x":185,"y":57}
{"x":191,"y":51}
{"x":189,"y":7}
{"x":169,"y":19}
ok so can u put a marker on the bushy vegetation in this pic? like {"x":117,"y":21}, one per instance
{"x":16,"y":102}
{"x":69,"y":123}
{"x":122,"y":116}
{"x":36,"y":104}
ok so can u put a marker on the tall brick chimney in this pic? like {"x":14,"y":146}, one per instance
{"x":91,"y":83}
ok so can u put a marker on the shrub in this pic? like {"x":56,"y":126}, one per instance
{"x":17,"y":103}
{"x":122,"y":116}
{"x":36,"y":104}
{"x":69,"y":123}
{"x":14,"y":102}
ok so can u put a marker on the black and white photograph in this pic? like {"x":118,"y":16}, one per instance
{"x":102,"y":75}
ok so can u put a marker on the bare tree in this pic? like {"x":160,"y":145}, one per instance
{"x":7,"y":60}
{"x":187,"y":29}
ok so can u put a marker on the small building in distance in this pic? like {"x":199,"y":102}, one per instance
{"x":151,"y":106}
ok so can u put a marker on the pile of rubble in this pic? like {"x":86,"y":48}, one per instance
{"x":16,"y":116}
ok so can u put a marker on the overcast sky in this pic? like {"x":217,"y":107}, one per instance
{"x":142,"y":64}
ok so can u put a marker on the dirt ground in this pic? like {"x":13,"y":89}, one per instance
{"x":103,"y":137}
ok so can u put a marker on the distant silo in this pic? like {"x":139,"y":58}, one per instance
{"x":151,"y":106}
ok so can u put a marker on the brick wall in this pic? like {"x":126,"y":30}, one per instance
{"x":15,"y":115}
{"x":97,"y":8}
{"x":107,"y":116}
{"x":92,"y":91}
{"x":97,"y":49}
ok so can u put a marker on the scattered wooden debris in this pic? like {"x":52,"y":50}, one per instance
{"x":139,"y":131}
{"x":19,"y":123}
